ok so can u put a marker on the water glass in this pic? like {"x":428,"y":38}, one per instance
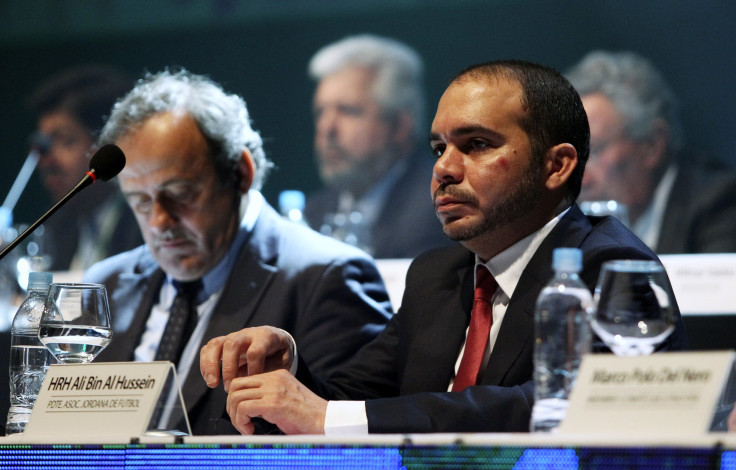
{"x":75,"y":324}
{"x":634,"y":306}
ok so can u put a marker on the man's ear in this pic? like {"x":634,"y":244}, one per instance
{"x":246,"y":170}
{"x":560,"y":162}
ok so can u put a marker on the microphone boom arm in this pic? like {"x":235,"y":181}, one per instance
{"x":86,"y":181}
{"x":107,"y":162}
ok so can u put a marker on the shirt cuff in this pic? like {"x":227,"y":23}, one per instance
{"x":346,"y":418}
{"x":294,"y":360}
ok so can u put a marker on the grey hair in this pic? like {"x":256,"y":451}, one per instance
{"x":635,"y":87}
{"x":221,"y":117}
{"x":399,"y":72}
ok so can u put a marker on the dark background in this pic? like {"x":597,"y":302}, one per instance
{"x":260,"y":49}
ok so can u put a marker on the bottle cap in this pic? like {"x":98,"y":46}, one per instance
{"x":291,"y":199}
{"x":39,"y":280}
{"x":567,"y":260}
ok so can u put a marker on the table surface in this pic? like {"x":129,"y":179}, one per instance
{"x":496,"y":451}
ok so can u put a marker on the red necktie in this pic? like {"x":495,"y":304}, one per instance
{"x":479,"y":331}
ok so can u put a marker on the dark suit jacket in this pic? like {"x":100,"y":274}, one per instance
{"x":406,"y":225}
{"x":701,"y":212}
{"x":405,"y":372}
{"x":328,"y":295}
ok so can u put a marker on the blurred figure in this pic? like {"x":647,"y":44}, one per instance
{"x":369,"y":113}
{"x":675,"y":203}
{"x":193,"y":177}
{"x":71,"y":106}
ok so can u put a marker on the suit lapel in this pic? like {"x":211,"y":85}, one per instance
{"x":515,"y":343}
{"x":435,"y":322}
{"x":454,"y":319}
{"x":136,"y":292}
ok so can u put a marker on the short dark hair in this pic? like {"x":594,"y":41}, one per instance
{"x":86,"y":92}
{"x":554,"y":111}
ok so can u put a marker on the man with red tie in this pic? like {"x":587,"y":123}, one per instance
{"x":511,"y":140}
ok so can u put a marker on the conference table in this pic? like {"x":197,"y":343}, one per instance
{"x":709,"y":328}
{"x":430,"y":451}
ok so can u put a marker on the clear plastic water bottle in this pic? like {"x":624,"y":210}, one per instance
{"x":291,"y":205}
{"x":29,"y":358}
{"x":562,"y":337}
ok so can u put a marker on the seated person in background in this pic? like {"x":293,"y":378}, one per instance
{"x":676,"y":203}
{"x":193,"y":173}
{"x":368,"y":118}
{"x":71,"y":107}
{"x":511,"y":140}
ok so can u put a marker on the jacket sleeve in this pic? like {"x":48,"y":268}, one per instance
{"x":482,"y":408}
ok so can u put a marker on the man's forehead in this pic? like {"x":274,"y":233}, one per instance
{"x":471,"y":102}
{"x":351,"y":83}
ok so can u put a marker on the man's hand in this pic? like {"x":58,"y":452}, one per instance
{"x":279,"y":398}
{"x":247,"y":352}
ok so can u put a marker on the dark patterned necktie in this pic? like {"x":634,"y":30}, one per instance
{"x":182,"y":320}
{"x":479,"y":330}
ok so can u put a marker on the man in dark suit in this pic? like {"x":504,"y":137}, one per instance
{"x":368,"y":112}
{"x":677,"y":201}
{"x":194,"y":167}
{"x":511,"y":140}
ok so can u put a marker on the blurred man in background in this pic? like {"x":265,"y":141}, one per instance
{"x":677,"y":203}
{"x":71,"y":106}
{"x":369,"y":113}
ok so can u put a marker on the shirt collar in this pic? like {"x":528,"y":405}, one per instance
{"x":507,"y":266}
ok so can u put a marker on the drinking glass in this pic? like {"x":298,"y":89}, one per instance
{"x":634,"y":306}
{"x":75,"y":324}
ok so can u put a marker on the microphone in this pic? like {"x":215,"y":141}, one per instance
{"x":105,"y":164}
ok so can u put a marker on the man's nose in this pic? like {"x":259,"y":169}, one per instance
{"x":161,"y":217}
{"x":327,"y":122}
{"x":448,"y":168}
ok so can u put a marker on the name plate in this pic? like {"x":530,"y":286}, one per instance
{"x":665,"y":393}
{"x":115,"y":399}
{"x":703,"y":283}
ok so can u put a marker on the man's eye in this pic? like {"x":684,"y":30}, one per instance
{"x":181,"y":196}
{"x":140,"y":205}
{"x":477,"y":144}
{"x":438,"y":150}
{"x":350,"y":110}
